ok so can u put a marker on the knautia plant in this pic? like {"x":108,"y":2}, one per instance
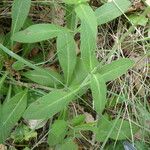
{"x":80,"y":73}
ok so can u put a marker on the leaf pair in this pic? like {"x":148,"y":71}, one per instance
{"x":66,"y":46}
{"x":104,"y":74}
{"x":107,"y":73}
{"x":65,"y":42}
{"x":10,"y":113}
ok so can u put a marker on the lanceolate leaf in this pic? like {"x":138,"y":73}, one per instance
{"x":88,"y":35}
{"x":20,"y":10}
{"x":115,"y":69}
{"x":87,"y":15}
{"x":11,"y":113}
{"x":57,"y":132}
{"x":37,"y":33}
{"x":111,"y":10}
{"x":50,"y":104}
{"x":44,"y":77}
{"x":66,"y":50}
{"x":99,"y":90}
{"x":88,"y":47}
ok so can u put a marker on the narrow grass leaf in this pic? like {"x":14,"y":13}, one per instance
{"x":57,"y":132}
{"x":48,"y":105}
{"x":11,"y":113}
{"x":99,"y":90}
{"x":37,"y":33}
{"x":111,"y":10}
{"x":20,"y":10}
{"x":115,"y":69}
{"x":44,"y":77}
{"x":66,"y":51}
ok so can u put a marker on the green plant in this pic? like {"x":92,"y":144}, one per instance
{"x":80,"y":73}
